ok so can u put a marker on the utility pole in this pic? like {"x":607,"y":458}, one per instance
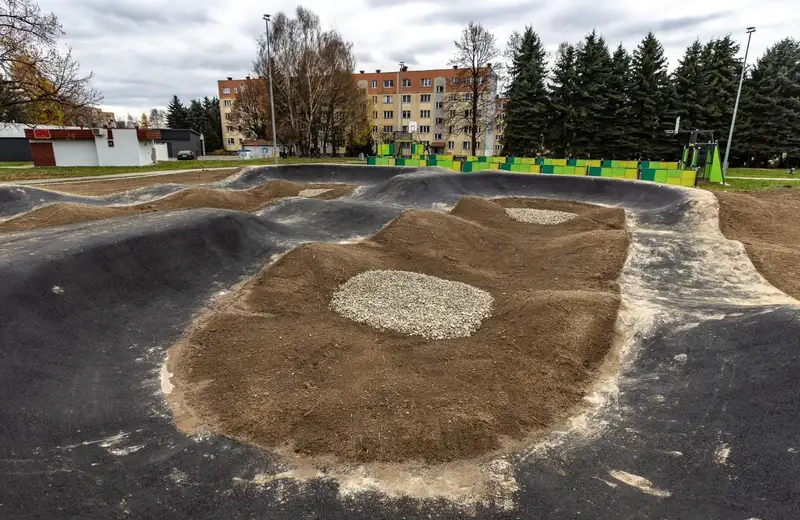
{"x":271,"y":97}
{"x":750,"y":31}
{"x":400,"y":97}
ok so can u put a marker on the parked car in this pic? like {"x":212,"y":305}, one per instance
{"x":186,"y":155}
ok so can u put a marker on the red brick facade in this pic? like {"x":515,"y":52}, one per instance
{"x":58,"y":134}
{"x":42,"y":154}
{"x":148,"y":135}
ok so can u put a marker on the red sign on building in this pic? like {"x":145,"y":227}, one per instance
{"x":41,"y":133}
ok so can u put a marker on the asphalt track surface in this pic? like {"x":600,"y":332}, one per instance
{"x":705,"y":407}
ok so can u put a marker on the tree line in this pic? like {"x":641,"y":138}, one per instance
{"x":595,"y":103}
{"x":200,"y":115}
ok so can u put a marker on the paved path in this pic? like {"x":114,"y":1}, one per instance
{"x":64,"y":180}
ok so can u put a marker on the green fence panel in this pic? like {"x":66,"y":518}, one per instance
{"x":595,"y":171}
{"x":661,"y":176}
{"x":547,"y":168}
{"x":648,"y":174}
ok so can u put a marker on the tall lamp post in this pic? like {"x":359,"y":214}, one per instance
{"x":271,"y":98}
{"x":750,"y":31}
{"x":400,"y":97}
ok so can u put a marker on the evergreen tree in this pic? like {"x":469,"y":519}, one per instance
{"x":770,"y":128}
{"x":720,"y":75}
{"x":196,"y":116}
{"x":563,"y":122}
{"x":177,"y":114}
{"x":691,"y":86}
{"x":212,"y":131}
{"x":615,"y":136}
{"x":651,"y":102}
{"x":590,"y":102}
{"x":527,"y":107}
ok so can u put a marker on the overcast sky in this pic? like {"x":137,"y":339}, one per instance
{"x":144,"y":51}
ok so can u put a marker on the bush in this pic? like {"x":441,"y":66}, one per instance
{"x":220,"y":152}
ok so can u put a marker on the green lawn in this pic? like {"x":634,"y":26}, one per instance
{"x":89,"y":171}
{"x":749,"y":185}
{"x":15,"y":163}
{"x":761,"y":172}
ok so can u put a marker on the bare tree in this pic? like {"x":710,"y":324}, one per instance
{"x":473,"y":110}
{"x":158,"y":118}
{"x":251,"y":110}
{"x":312,"y":80}
{"x":38,"y":82}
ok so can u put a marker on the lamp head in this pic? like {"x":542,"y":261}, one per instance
{"x":266,"y":17}
{"x":751,"y":30}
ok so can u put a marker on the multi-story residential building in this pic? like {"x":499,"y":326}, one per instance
{"x":437,"y":100}
{"x":232,"y":138}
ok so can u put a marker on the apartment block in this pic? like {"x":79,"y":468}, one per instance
{"x":232,"y":138}
{"x":436,"y":100}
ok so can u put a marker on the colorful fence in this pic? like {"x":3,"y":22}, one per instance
{"x":652,"y":171}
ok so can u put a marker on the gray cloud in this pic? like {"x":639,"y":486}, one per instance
{"x":487,"y":13}
{"x":406,"y":57}
{"x":584,"y":17}
{"x":684,"y":23}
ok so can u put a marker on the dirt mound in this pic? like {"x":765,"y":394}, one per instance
{"x":276,"y":367}
{"x":64,"y":213}
{"x":767,"y":224}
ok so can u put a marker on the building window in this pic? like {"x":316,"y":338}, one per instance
{"x":425,"y":98}
{"x":498,"y":147}
{"x":451,"y":145}
{"x":388,"y":128}
{"x":424,"y":129}
{"x":439,"y":88}
{"x":439,"y":120}
{"x":467,"y":130}
{"x":229,"y":128}
{"x":375,"y":129}
{"x":453,"y":97}
{"x":439,"y":104}
{"x":228,"y":116}
{"x":467,"y":113}
{"x":450,"y":129}
{"x":406,"y":98}
{"x":375,"y":114}
{"x":425,"y":82}
{"x":374,"y":83}
{"x":466,"y":145}
{"x":468,"y":96}
{"x":228,"y":103}
{"x":388,"y":83}
{"x":231,"y":140}
{"x":226,"y":90}
{"x":405,"y":128}
{"x":388,"y":114}
{"x":406,"y":114}
{"x":388,"y":99}
{"x":235,"y":90}
{"x":425,"y":114}
{"x":374,"y":99}
{"x":452,"y":113}
{"x":437,"y":137}
{"x":406,"y":82}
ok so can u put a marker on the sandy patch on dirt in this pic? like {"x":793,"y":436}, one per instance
{"x":276,"y":367}
{"x":64,"y":213}
{"x":768,"y":224}
{"x":105,"y":187}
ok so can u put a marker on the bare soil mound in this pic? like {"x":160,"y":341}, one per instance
{"x":64,"y":213}
{"x":105,"y":187}
{"x":766,"y":222}
{"x":276,"y":367}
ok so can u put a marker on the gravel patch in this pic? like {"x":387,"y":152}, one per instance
{"x":545,"y":217}
{"x":413,"y":303}
{"x":313,"y":192}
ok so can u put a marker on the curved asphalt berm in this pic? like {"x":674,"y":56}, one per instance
{"x":705,"y":407}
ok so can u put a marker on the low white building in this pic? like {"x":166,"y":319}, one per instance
{"x":92,"y":146}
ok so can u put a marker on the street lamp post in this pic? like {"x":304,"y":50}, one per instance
{"x":750,"y":31}
{"x":271,"y":98}
{"x":400,"y":97}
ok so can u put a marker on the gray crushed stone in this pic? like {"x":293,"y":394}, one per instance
{"x":545,"y":217}
{"x":413,"y":303}
{"x":313,"y":192}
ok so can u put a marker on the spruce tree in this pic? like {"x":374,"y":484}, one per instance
{"x":721,"y":78}
{"x":563,"y":123}
{"x":651,"y":94}
{"x":771,"y":124}
{"x":527,"y":107}
{"x":591,"y":98}
{"x":615,"y":136}
{"x":196,"y":116}
{"x":212,"y":131}
{"x":691,"y":87}
{"x":176,"y":114}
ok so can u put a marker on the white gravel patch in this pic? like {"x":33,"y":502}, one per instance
{"x":546,"y":217}
{"x":413,"y":303}
{"x":313,"y":192}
